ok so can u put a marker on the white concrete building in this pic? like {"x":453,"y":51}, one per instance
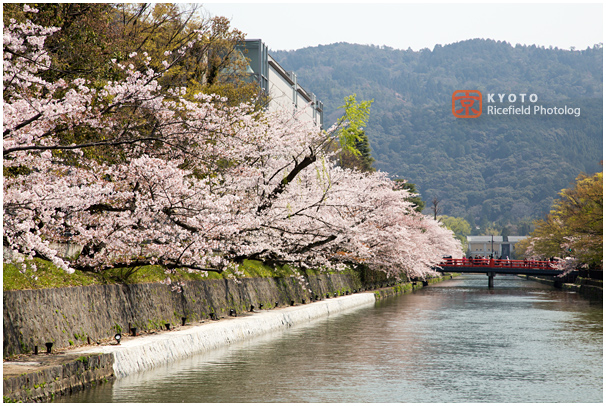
{"x":280,"y":85}
{"x":485,"y":245}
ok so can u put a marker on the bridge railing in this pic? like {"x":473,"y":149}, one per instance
{"x":497,"y":263}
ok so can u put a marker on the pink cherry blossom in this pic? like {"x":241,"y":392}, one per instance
{"x":201,"y":185}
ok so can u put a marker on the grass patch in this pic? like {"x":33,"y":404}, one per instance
{"x":257,"y":269}
{"x":152,"y":273}
{"x":48,"y":275}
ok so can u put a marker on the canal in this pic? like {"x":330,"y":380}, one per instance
{"x":456,"y":341}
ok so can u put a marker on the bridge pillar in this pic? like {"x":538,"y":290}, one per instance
{"x":490,"y":279}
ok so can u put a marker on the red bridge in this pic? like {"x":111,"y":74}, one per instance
{"x":501,"y":266}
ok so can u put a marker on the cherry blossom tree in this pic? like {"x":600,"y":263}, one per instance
{"x":137,"y":175}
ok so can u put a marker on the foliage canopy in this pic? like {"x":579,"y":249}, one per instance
{"x":574,"y":227}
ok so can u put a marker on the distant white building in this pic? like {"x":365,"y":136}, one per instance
{"x":280,"y":85}
{"x":495,"y":245}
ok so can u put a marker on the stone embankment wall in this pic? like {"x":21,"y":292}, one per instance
{"x":154,"y":350}
{"x":396,"y":289}
{"x":71,"y":316}
{"x":57,"y":380}
{"x":591,"y":289}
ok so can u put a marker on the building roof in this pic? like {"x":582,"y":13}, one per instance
{"x":516,"y":238}
{"x":484,"y":238}
{"x":494,"y":238}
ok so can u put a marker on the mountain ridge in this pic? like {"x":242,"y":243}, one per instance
{"x":501,"y":169}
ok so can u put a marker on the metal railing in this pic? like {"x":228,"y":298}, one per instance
{"x":498,"y":263}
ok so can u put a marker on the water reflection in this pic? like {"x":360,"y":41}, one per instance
{"x":456,"y":341}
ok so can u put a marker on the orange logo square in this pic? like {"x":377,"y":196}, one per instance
{"x":467,"y":103}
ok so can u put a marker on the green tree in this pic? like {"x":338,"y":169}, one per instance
{"x":91,"y":35}
{"x":412,"y":188}
{"x":87,"y":39}
{"x":574,"y":227}
{"x":352,"y":124}
{"x":491,"y":229}
{"x":94,"y":36}
{"x":211,"y":65}
{"x":459,"y":226}
{"x":351,"y":140}
{"x":362,"y":161}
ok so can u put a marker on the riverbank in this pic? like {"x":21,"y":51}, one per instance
{"x":392,"y":352}
{"x":48,"y":375}
{"x":42,"y":377}
{"x":590,"y":289}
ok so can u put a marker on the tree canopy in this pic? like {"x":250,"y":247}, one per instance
{"x":459,"y":226}
{"x":574,"y":227}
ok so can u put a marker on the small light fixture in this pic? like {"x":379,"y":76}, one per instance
{"x":118,"y":337}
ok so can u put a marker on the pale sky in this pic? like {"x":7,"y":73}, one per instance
{"x":288,"y":26}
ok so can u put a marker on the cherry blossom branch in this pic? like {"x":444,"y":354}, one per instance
{"x":308,"y":160}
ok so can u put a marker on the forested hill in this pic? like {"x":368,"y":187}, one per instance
{"x":491,"y":168}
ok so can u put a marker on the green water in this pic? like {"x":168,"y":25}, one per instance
{"x":456,"y":341}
